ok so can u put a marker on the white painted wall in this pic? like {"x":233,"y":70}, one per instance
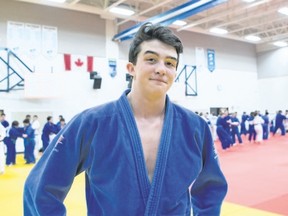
{"x":235,"y":83}
{"x":273,"y":79}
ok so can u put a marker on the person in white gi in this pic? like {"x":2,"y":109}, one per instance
{"x":2,"y":153}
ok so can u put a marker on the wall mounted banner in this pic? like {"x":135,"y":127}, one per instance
{"x":33,"y":39}
{"x":49,"y":41}
{"x":112,"y":67}
{"x":211,"y":59}
{"x":16,"y":36}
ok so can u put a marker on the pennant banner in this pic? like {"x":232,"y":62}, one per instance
{"x":211,"y":59}
{"x":112,"y":67}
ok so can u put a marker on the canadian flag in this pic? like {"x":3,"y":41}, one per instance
{"x":78,"y":63}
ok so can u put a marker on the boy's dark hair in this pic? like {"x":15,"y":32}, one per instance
{"x":15,"y":124}
{"x":26,"y":121}
{"x":148,"y":32}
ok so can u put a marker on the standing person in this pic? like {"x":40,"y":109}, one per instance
{"x":13,"y":134}
{"x":286,"y":120}
{"x":61,"y":124}
{"x":48,"y":129}
{"x":279,"y":123}
{"x":266,"y":125}
{"x":235,"y":128}
{"x":28,"y":116}
{"x":36,"y":126}
{"x":29,"y":142}
{"x":59,"y":121}
{"x":160,"y":155}
{"x":3,"y":121}
{"x":223,"y":129}
{"x":2,"y":154}
{"x":258,"y":127}
{"x":251,"y":129}
{"x":244,"y":119}
{"x":213,"y":125}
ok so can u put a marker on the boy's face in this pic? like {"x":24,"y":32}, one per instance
{"x":155,"y":70}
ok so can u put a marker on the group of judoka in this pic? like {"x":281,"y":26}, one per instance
{"x":256,"y":127}
{"x":34,"y":142}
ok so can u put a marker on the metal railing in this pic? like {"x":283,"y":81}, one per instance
{"x":13,"y":79}
{"x":189,"y":80}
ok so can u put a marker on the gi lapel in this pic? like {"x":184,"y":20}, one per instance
{"x":129,"y":119}
{"x":150,"y":192}
{"x":157,"y":182}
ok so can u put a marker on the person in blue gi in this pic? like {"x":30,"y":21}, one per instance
{"x":141,"y":154}
{"x":58,"y":124}
{"x":61,"y":124}
{"x":223,"y":129}
{"x":235,"y":128}
{"x":279,"y":123}
{"x":244,"y":119}
{"x":29,"y":142}
{"x":13,"y":134}
{"x":265,"y":125}
{"x":3,"y":120}
{"x":251,"y":129}
{"x":48,"y":129}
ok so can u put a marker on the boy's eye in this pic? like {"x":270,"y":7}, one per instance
{"x":171,"y":63}
{"x":151,"y":60}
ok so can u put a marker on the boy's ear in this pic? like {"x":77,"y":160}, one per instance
{"x":130,"y":68}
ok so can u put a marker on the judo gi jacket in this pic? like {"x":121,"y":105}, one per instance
{"x":104,"y":143}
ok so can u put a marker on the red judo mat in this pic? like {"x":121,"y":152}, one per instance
{"x":257,"y":174}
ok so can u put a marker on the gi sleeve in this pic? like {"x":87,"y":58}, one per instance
{"x":51,"y":178}
{"x":210,"y":188}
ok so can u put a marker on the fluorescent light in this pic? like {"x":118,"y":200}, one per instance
{"x":179,"y":23}
{"x":218,"y":31}
{"x":253,"y":38}
{"x":57,"y":1}
{"x":122,"y":11}
{"x":283,"y":10}
{"x":280,"y":43}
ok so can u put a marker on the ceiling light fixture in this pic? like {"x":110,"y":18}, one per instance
{"x":280,"y":43}
{"x":179,"y":22}
{"x":57,"y":1}
{"x":283,"y":10}
{"x":218,"y":31}
{"x":253,"y":38}
{"x":122,"y":10}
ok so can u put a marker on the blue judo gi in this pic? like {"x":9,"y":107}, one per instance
{"x":10,"y":142}
{"x":265,"y":127}
{"x":279,"y":124}
{"x":104,"y":143}
{"x":29,"y":144}
{"x":235,"y":131}
{"x":243,"y":129}
{"x":48,"y":129}
{"x":251,"y":129}
{"x":223,"y":132}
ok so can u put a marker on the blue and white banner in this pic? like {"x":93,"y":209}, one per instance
{"x":211,"y":59}
{"x":112,"y":67}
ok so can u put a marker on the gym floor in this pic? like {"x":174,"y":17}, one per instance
{"x":256,"y":173}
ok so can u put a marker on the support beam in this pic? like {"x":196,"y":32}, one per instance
{"x":181,"y":12}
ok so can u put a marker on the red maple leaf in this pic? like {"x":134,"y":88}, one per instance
{"x":79,"y":63}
